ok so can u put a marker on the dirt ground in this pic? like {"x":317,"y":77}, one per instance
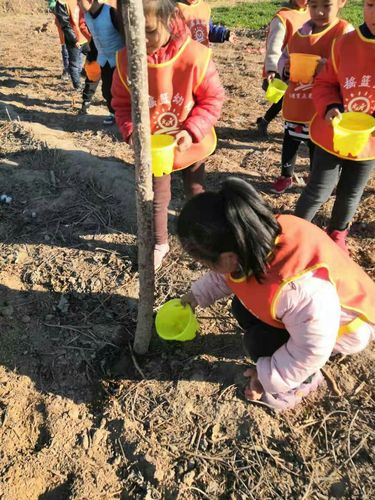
{"x":80,"y":416}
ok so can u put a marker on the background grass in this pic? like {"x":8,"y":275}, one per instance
{"x":257,"y":15}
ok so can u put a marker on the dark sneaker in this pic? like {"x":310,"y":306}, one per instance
{"x":262,"y":125}
{"x":85,"y":108}
{"x":288,"y":400}
{"x":109,"y":120}
{"x":65,"y":76}
{"x":282,"y":184}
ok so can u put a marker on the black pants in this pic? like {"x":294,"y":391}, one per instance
{"x":89,"y":90}
{"x":259,"y":338}
{"x":351,"y":183}
{"x":107,"y":75}
{"x":289,"y":153}
{"x":273,"y":111}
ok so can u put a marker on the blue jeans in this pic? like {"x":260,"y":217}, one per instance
{"x":352,"y":178}
{"x":65,"y":57}
{"x":75,"y":65}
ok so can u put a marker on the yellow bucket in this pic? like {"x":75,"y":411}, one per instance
{"x":162,"y":154}
{"x":352,"y":132}
{"x":275,"y":90}
{"x":176,"y":322}
{"x":303,"y":67}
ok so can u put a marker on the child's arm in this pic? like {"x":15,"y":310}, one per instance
{"x":275,"y":41}
{"x":63,"y":19}
{"x":209,"y":98}
{"x":326,"y":93}
{"x":220,"y":34}
{"x":207,"y":290}
{"x":310,"y":310}
{"x":121,"y":103}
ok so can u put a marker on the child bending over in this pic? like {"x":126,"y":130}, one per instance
{"x":297,"y":296}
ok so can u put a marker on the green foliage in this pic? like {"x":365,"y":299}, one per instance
{"x":256,"y":15}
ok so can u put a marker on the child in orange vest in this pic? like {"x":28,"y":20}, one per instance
{"x":284,"y":24}
{"x":346,"y":84}
{"x":315,"y":37}
{"x":297,"y":296}
{"x":197,"y":15}
{"x":185,"y":100}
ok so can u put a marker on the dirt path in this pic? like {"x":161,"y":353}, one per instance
{"x":77,"y":420}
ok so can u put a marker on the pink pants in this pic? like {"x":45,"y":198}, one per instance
{"x":193,"y":179}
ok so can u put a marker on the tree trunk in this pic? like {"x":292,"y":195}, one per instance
{"x":134,"y":26}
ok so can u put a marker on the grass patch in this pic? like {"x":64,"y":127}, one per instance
{"x":257,"y":15}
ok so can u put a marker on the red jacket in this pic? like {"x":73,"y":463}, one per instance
{"x":209,"y":97}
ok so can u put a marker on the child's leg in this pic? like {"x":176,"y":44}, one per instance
{"x":259,"y":339}
{"x":322,"y":181}
{"x":289,"y":154}
{"x":273,"y":111}
{"x":107,"y":75}
{"x":162,"y":196}
{"x":193,"y":179}
{"x":65,"y":57}
{"x":352,"y":182}
{"x":88,"y":93}
{"x":75,"y":65}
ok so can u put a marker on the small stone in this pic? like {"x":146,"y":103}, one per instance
{"x":117,"y":460}
{"x":49,"y":317}
{"x":26,"y":319}
{"x":85,"y":442}
{"x":74,"y":413}
{"x":33,"y":215}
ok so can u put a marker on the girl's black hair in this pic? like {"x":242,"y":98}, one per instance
{"x":234,"y":219}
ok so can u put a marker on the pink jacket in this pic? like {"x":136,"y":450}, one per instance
{"x":310,"y":310}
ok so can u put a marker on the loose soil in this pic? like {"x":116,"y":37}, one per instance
{"x":82,"y":417}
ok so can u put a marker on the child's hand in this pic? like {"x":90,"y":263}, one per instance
{"x":254,"y":390}
{"x":232,"y":38}
{"x":333,"y":113}
{"x":189,"y":298}
{"x":271,"y":75}
{"x":184,"y":140}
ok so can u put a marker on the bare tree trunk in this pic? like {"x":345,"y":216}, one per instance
{"x":134,"y":26}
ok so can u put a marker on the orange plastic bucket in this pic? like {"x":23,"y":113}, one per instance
{"x":93,"y":71}
{"x":303,"y":67}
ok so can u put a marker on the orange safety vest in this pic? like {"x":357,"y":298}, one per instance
{"x":292,"y":19}
{"x":172,"y":85}
{"x":301,"y":248}
{"x":351,"y":58}
{"x":197,"y":18}
{"x":298,"y":106}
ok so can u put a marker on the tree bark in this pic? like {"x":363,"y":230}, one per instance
{"x":134,"y":27}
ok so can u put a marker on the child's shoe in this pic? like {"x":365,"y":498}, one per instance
{"x":65,"y":75}
{"x":282,"y":184}
{"x":160,"y":251}
{"x":85,"y":108}
{"x":109,"y":120}
{"x":288,"y":400}
{"x":262,"y":125}
{"x":339,"y":237}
